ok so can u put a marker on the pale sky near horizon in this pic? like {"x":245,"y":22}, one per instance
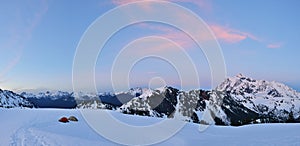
{"x":38,"y":41}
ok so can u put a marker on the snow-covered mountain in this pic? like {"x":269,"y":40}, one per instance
{"x":109,"y":100}
{"x":48,"y":99}
{"x":147,"y":103}
{"x":9,"y":99}
{"x":238,"y":100}
{"x":197,"y":106}
{"x":240,"y":84}
{"x":272,"y":101}
{"x":48,"y":94}
{"x":60,"y":99}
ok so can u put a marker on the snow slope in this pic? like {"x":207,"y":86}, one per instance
{"x":40,"y":127}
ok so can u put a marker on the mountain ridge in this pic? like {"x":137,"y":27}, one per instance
{"x":9,"y":99}
{"x":237,"y":101}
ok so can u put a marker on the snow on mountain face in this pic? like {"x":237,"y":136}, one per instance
{"x":94,"y":104}
{"x":241,"y":84}
{"x":238,"y":100}
{"x":142,"y":104}
{"x":47,"y":94}
{"x":9,"y":99}
{"x":60,"y":99}
{"x":112,"y":100}
{"x":49,"y":99}
{"x":263,"y":97}
{"x":196,"y":106}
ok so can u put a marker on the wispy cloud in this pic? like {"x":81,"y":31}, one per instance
{"x":180,"y":38}
{"x":223,"y":33}
{"x":37,"y":17}
{"x":230,"y":35}
{"x":275,"y":45}
{"x":152,"y":72}
{"x":21,"y":34}
{"x":203,"y":4}
{"x":121,"y":2}
{"x":146,"y":5}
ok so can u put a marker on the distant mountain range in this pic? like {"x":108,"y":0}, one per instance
{"x":237,"y":101}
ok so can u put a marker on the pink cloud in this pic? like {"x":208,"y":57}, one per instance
{"x":223,"y":33}
{"x":180,"y":38}
{"x":177,"y":36}
{"x":203,"y":4}
{"x":163,"y":47}
{"x":121,"y":2}
{"x":169,"y":46}
{"x":230,"y":35}
{"x":274,"y":45}
{"x":146,"y":5}
{"x":168,"y":32}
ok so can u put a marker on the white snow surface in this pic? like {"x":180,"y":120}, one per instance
{"x":39,"y":127}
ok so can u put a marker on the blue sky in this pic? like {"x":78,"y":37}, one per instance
{"x":38,"y":41}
